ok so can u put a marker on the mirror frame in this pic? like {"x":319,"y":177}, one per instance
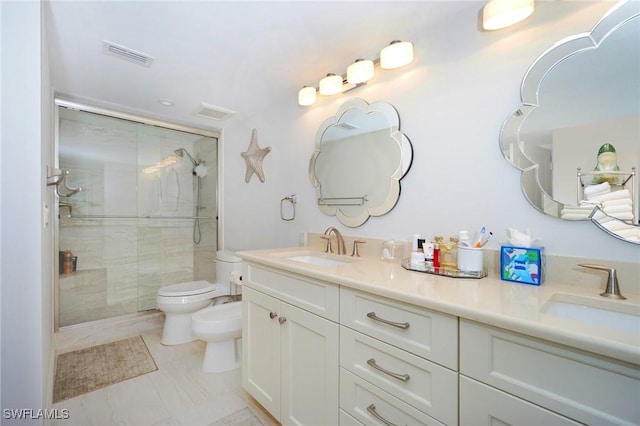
{"x":510,"y":141}
{"x":406,"y":159}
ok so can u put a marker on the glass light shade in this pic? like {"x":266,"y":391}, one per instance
{"x":307,"y":96}
{"x":397,"y":54}
{"x":498,"y":14}
{"x":360,"y":71}
{"x":331,"y":84}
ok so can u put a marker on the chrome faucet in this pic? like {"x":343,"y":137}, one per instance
{"x":612,"y":290}
{"x":341,"y":245}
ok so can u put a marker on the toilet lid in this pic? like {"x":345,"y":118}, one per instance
{"x":189,"y":288}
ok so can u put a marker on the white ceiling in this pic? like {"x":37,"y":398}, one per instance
{"x":231,"y":54}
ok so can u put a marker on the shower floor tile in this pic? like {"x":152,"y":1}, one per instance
{"x":178,"y":393}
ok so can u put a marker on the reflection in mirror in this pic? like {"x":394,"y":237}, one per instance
{"x":359,"y":159}
{"x":577,"y":97}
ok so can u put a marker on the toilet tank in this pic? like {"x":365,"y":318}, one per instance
{"x":226,"y":263}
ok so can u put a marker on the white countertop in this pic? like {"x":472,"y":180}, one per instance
{"x":508,"y":305}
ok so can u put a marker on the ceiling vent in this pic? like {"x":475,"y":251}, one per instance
{"x":127,"y":54}
{"x":213,"y":112}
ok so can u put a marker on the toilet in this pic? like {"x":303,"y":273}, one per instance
{"x":220,"y":325}
{"x":180,"y":301}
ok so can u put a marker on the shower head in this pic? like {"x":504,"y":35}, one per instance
{"x":181,"y":151}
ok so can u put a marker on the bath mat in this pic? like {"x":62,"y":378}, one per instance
{"x":242,"y":417}
{"x":89,"y":369}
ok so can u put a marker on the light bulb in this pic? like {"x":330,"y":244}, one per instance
{"x":331,"y":84}
{"x":307,"y":96}
{"x":396,"y":54}
{"x":360,"y":71}
{"x":498,"y":14}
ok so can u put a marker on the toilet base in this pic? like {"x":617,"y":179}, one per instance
{"x":222,"y":356}
{"x":177,"y":329}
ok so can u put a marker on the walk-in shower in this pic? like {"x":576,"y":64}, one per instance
{"x":145,"y":217}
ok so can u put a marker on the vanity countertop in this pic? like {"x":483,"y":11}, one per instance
{"x":491,"y":301}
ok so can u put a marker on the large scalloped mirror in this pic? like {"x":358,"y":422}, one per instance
{"x":583,"y":93}
{"x":360,"y":156}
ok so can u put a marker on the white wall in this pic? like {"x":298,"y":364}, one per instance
{"x":25,"y":295}
{"x":452,"y":102}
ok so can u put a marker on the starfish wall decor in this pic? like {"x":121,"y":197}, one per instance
{"x":254,"y":156}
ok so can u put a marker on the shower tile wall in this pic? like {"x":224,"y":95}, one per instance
{"x":130,"y":171}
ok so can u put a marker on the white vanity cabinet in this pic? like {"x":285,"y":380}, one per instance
{"x":516,"y":379}
{"x":398,"y":362}
{"x":290,"y":353}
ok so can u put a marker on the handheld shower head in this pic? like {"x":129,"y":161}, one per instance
{"x":181,"y":151}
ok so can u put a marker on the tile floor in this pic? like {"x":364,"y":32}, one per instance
{"x":178,"y":393}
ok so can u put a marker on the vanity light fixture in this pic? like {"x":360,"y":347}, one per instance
{"x":498,"y":14}
{"x":395,"y":55}
{"x":331,"y":84}
{"x":307,"y":96}
{"x":360,"y":71}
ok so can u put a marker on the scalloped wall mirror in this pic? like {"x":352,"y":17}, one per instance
{"x":360,"y":156}
{"x":582,"y":93}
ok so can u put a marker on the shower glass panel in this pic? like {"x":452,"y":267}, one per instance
{"x":134,"y":225}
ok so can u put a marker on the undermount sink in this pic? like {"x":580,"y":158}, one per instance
{"x":318,"y":260}
{"x":602,"y":313}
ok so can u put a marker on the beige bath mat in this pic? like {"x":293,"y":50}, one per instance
{"x":86,"y":370}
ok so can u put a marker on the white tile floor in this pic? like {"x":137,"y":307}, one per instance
{"x":178,"y":393}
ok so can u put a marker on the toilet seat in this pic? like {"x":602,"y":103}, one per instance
{"x":189,"y":288}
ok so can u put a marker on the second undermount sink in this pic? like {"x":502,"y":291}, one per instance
{"x":602,"y":313}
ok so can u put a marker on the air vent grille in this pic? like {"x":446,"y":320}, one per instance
{"x":213,"y":112}
{"x":127,"y":54}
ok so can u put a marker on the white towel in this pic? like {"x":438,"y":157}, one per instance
{"x":620,"y":202}
{"x":617,"y":225}
{"x":624,"y":208}
{"x":574,"y":216}
{"x":615,"y":195}
{"x":604,"y":187}
{"x":622,"y":215}
{"x":629,"y":233}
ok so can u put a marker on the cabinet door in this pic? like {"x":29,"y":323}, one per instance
{"x":310,"y":372}
{"x":482,"y":405}
{"x":261,"y":349}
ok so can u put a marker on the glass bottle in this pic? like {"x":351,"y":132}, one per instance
{"x":449,"y":253}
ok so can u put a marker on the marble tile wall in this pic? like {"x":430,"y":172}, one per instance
{"x":129,"y":172}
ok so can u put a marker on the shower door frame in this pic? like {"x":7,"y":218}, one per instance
{"x":62,"y":102}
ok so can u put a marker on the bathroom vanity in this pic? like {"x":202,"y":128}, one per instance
{"x":334,"y":339}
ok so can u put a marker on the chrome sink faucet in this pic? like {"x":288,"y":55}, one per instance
{"x":612,"y":290}
{"x":341,"y":245}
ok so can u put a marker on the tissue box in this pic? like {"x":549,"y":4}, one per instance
{"x":522,"y":264}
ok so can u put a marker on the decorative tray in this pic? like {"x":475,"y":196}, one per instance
{"x":444,"y":271}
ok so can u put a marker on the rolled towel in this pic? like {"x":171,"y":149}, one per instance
{"x":620,"y":202}
{"x":603,"y":187}
{"x":629,"y":233}
{"x":624,"y":208}
{"x":574,"y":216}
{"x":615,"y":195}
{"x":622,"y":216}
{"x":617,"y":225}
{"x":587,"y":203}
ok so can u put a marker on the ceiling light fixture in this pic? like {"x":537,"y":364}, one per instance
{"x":498,"y":14}
{"x":395,"y":55}
{"x":166,"y":102}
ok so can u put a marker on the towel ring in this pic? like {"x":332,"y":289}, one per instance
{"x":291,"y":199}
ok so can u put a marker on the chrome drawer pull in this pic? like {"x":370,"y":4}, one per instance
{"x":372,"y":409}
{"x":402,"y":377}
{"x":402,"y":325}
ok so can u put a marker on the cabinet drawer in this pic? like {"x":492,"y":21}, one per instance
{"x":482,"y":405}
{"x":423,"y":332}
{"x":318,"y":297}
{"x":589,"y":389}
{"x":363,"y":401}
{"x":426,"y":386}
